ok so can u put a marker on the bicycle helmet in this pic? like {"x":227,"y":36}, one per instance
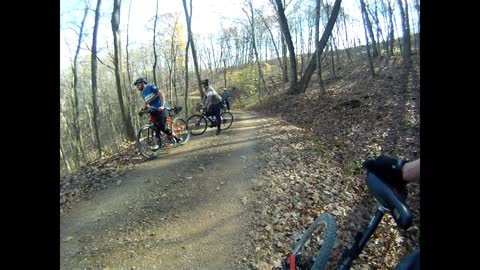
{"x":205,"y":82}
{"x":139,"y":80}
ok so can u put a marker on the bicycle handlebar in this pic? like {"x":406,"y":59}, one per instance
{"x":390,"y":199}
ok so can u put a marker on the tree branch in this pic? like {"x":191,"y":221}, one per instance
{"x":99,"y":60}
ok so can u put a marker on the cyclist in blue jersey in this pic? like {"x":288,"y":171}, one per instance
{"x":155,"y":99}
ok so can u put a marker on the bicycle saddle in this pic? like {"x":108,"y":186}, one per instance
{"x":390,"y":199}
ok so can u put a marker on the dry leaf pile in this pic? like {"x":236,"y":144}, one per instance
{"x":311,"y":163}
{"x":95,"y":175}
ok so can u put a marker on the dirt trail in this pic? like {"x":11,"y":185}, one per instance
{"x":188,"y":209}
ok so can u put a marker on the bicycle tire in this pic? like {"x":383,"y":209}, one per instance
{"x":320,"y":261}
{"x":197,"y":124}
{"x":227,"y":120}
{"x":145,"y":140}
{"x":180,"y":129}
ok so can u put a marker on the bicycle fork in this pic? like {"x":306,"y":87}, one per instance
{"x":361,"y":240}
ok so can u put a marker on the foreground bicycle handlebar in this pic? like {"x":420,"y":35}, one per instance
{"x":389,"y":201}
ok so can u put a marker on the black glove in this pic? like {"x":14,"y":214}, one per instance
{"x":387,"y":169}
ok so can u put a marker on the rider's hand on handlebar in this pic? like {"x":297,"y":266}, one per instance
{"x":388,"y":169}
{"x":152,"y":109}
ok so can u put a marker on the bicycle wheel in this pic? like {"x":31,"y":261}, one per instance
{"x":227,"y":120}
{"x":146,"y":143}
{"x":326,"y":249}
{"x":197,"y":124}
{"x":180,"y":129}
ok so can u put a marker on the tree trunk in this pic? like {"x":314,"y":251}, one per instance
{"x":175,"y":82}
{"x":302,"y":48}
{"x":79,"y":150}
{"x":378,"y":33}
{"x":252,"y":23}
{"x":332,"y":41}
{"x":194,"y":52}
{"x":273,"y":40}
{"x":406,"y":32}
{"x":323,"y":41}
{"x":293,"y":89}
{"x":186,"y":78}
{"x":90,"y":126}
{"x":284,"y":57}
{"x":332,"y":61}
{"x":364,"y":16}
{"x":64,"y":158}
{"x":225,"y":73}
{"x":412,"y":31}
{"x":336,"y":43}
{"x":417,"y":7}
{"x":155,"y":56}
{"x":130,"y":94}
{"x":317,"y":48}
{"x":367,"y":23}
{"x":173,"y":65}
{"x":118,"y":70}
{"x":347,"y":45}
{"x":96,"y":119}
{"x":391,"y":33}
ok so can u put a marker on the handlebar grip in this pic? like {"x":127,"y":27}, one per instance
{"x":390,"y":199}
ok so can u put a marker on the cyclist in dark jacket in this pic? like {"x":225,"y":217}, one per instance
{"x":212,"y":101}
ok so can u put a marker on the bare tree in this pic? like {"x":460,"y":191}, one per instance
{"x":186,"y":77}
{"x":347,"y":44}
{"x":317,"y":46}
{"x":64,"y":158}
{"x":332,"y":45}
{"x":365,"y":19}
{"x":406,"y":32}
{"x":155,"y":56}
{"x":79,"y":149}
{"x":391,"y":32}
{"x":118,"y":69}
{"x":323,"y":41}
{"x":132,"y":103}
{"x":293,"y":88}
{"x":96,"y":120}
{"x":368,"y":24}
{"x":188,"y":17}
{"x":252,"y":28}
{"x":272,"y":38}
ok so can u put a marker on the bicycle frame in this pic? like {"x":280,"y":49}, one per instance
{"x":209,"y":118}
{"x":361,"y":239}
{"x":154,"y":122}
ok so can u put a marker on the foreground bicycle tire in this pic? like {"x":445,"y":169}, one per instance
{"x":330,"y":232}
{"x":227,"y":120}
{"x":145,"y":141}
{"x":197,"y":124}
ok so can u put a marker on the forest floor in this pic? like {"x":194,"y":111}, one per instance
{"x":241,"y":199}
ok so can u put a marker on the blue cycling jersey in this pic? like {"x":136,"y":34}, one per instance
{"x":151,"y":96}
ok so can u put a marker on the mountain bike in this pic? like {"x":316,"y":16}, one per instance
{"x":389,"y":201}
{"x":146,"y":143}
{"x":197,"y":124}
